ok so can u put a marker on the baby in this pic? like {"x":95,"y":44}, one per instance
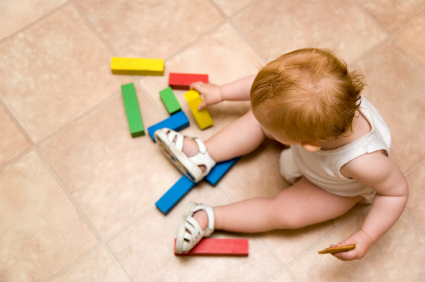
{"x":338,"y":155}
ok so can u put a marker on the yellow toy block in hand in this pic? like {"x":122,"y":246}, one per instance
{"x":137,"y":66}
{"x":202,"y":117}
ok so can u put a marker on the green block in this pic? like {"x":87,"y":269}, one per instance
{"x":132,"y":109}
{"x":170,"y":101}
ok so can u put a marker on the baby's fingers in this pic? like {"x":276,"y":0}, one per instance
{"x":202,"y":105}
{"x":346,"y":256}
{"x":197,"y":86}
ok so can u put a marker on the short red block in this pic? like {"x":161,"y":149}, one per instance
{"x":218,"y":247}
{"x":182,"y":81}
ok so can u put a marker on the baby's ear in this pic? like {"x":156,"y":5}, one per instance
{"x":311,"y":146}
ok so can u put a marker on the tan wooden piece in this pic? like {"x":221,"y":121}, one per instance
{"x":337,"y":249}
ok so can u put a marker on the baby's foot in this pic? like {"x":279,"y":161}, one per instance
{"x":197,"y":222}
{"x":190,"y":148}
{"x":202,"y":218}
{"x":189,"y":155}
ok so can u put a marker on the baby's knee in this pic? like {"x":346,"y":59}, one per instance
{"x":287,"y":217}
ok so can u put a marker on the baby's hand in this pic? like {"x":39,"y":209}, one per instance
{"x":362,"y":242}
{"x":210,"y":92}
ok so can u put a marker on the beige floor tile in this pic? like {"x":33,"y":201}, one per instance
{"x":12,"y":142}
{"x":225,"y":57}
{"x":17,"y":14}
{"x":399,"y":255}
{"x":338,"y":25}
{"x":145,"y":249}
{"x":97,"y":267}
{"x":416,"y":204}
{"x":231,"y":7}
{"x":41,"y":232}
{"x":50,"y":78}
{"x":413,"y":38}
{"x":283,"y":277}
{"x":112,"y":176}
{"x":395,"y":87}
{"x":150,"y":28}
{"x":393,"y":14}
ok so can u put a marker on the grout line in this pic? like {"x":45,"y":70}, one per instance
{"x":17,"y":157}
{"x":327,"y":235}
{"x":131,"y":222}
{"x":77,"y":119}
{"x":28,"y":26}
{"x":15,"y":120}
{"x":212,"y":2}
{"x":284,"y":265}
{"x":114,"y":259}
{"x":274,"y":277}
{"x":196,"y":41}
{"x":95,"y":31}
{"x":238,"y":31}
{"x":247,"y":41}
{"x":409,"y":23}
{"x":371,"y":50}
{"x":70,"y":197}
{"x":360,"y":6}
{"x":75,"y":262}
{"x":391,"y":36}
{"x":414,"y":223}
{"x":84,"y":217}
{"x":414,"y":167}
{"x":422,"y":67}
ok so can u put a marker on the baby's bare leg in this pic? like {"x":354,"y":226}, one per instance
{"x":239,"y":138}
{"x":300,"y":205}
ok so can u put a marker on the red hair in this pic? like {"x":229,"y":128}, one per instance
{"x":308,"y":93}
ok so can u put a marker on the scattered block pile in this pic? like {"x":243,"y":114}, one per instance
{"x":177,"y":121}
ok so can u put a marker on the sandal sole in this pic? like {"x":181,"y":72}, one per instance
{"x":182,"y":228}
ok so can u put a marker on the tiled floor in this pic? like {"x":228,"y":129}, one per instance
{"x":77,"y":193}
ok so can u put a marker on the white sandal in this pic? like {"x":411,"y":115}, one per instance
{"x":190,"y":233}
{"x":171,"y":143}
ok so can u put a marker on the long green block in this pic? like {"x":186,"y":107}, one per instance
{"x":132,"y":109}
{"x":169,"y":100}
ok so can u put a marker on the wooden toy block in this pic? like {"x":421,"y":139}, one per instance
{"x":182,"y":81}
{"x":218,"y":247}
{"x":175,"y":194}
{"x":175,"y":122}
{"x":337,"y":249}
{"x":219,"y":170}
{"x":202,"y":117}
{"x":169,"y":100}
{"x":137,"y":66}
{"x":132,"y":110}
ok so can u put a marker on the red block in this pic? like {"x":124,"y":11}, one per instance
{"x":183,"y":80}
{"x":218,"y":247}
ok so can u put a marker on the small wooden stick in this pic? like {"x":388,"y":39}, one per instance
{"x":337,"y":249}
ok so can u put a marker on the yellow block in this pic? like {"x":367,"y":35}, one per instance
{"x":137,"y":66}
{"x":202,"y":117}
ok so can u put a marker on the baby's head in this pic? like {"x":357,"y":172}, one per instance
{"x":307,"y":95}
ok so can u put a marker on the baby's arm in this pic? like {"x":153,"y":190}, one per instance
{"x":385,"y":177}
{"x":238,"y":90}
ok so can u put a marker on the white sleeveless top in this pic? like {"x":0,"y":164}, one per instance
{"x":322,"y":168}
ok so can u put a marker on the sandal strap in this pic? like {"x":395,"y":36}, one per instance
{"x":178,"y":137}
{"x":210,"y":214}
{"x":203,"y":158}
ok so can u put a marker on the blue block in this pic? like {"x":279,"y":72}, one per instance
{"x":219,"y":170}
{"x":175,"y":194}
{"x":175,"y":122}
